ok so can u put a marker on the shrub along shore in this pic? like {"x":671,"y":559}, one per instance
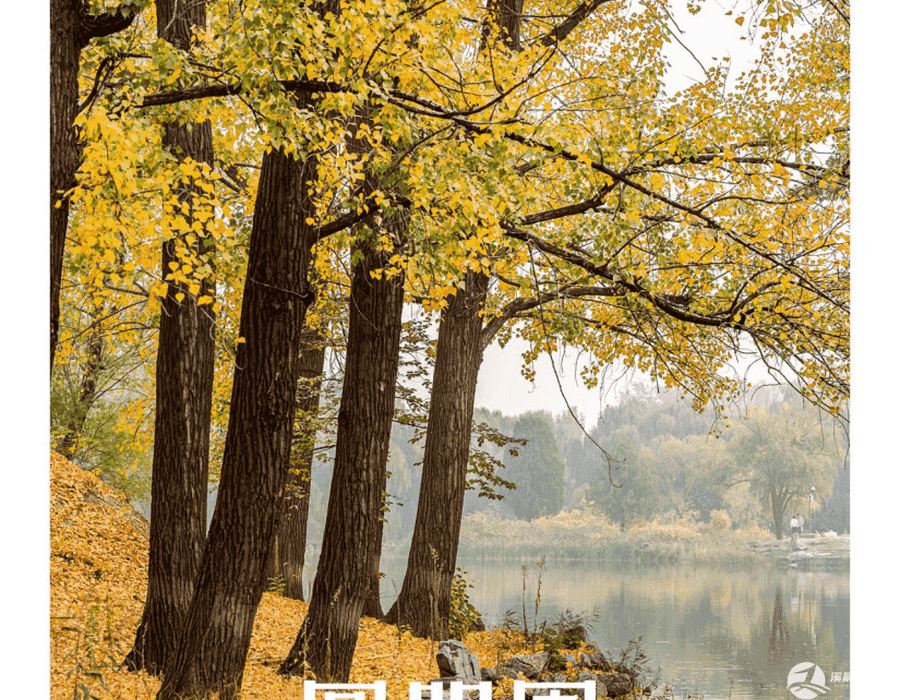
{"x":586,"y":535}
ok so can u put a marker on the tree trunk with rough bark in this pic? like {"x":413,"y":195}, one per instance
{"x":65,"y":51}
{"x":348,"y":562}
{"x":184,"y":382}
{"x":372,"y":603}
{"x":290,"y":545}
{"x":213,"y":644}
{"x":424,"y":600}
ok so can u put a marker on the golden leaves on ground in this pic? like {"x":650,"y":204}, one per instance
{"x":98,"y":563}
{"x":98,"y":572}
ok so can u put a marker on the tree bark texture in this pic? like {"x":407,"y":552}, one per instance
{"x":65,"y":50}
{"x":184,"y":382}
{"x":212,"y":647}
{"x":372,"y":601}
{"x":507,"y":15}
{"x":396,"y":228}
{"x":424,"y":600}
{"x":290,"y":544}
{"x":71,"y":29}
{"x":348,"y":562}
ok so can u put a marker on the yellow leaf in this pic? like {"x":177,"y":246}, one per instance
{"x":481,"y":139}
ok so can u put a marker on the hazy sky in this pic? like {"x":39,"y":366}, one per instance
{"x":501,"y":386}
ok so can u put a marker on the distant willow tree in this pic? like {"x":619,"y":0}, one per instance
{"x":536,"y":469}
{"x":783,"y":455}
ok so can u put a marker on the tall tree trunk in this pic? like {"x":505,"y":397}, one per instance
{"x":327,"y":639}
{"x":397,"y":228}
{"x":71,"y":29}
{"x":290,"y":544}
{"x":184,"y":381}
{"x":506,"y":15}
{"x":424,"y":600}
{"x":212,"y":647}
{"x":65,"y":52}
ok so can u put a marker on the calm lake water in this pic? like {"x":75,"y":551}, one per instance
{"x":712,"y":632}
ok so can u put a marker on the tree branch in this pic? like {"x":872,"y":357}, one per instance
{"x":559,"y":33}
{"x":97,"y":26}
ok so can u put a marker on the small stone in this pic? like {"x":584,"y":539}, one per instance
{"x":618,"y":684}
{"x":596,"y":660}
{"x":508,"y":672}
{"x":491,"y":674}
{"x":455,"y":661}
{"x":515,"y":665}
{"x":539,"y":661}
{"x":529,"y":666}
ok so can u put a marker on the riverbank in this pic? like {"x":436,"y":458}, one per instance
{"x":583,"y":535}
{"x":98,"y":572}
{"x":814,"y":551}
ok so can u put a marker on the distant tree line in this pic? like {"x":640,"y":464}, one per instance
{"x":759,"y":464}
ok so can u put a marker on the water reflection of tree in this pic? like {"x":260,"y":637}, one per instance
{"x":780,"y":636}
{"x":773,"y":645}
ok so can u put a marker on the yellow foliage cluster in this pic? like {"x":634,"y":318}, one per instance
{"x":725,"y":203}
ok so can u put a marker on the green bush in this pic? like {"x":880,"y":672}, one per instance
{"x":101,"y":446}
{"x":570,"y":631}
{"x":464,"y":617}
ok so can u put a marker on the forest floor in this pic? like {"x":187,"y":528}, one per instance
{"x":98,"y":572}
